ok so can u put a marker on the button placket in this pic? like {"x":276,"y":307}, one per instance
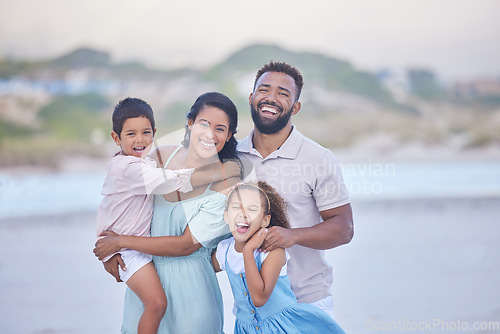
{"x":247,"y":294}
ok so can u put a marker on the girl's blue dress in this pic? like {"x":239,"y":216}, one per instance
{"x":281,"y":314}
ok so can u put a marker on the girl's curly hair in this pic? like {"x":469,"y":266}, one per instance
{"x":272,"y":202}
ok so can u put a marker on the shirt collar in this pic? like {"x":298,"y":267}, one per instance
{"x":289,"y":149}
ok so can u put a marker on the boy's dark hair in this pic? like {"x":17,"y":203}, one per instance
{"x":131,"y":108}
{"x":272,"y":202}
{"x":282,"y":67}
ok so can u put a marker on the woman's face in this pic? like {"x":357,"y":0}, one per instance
{"x":209,"y":132}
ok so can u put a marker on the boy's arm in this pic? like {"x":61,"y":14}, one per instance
{"x":164,"y":186}
{"x":143,"y":178}
{"x":261,"y":284}
{"x":174,"y":180}
{"x":201,"y":176}
{"x":215,"y":172}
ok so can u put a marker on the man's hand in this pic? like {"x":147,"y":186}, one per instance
{"x":111,"y":266}
{"x":278,"y":237}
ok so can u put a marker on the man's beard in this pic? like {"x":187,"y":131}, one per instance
{"x":271,"y":126}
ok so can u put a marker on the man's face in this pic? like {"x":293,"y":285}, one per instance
{"x":273,"y":102}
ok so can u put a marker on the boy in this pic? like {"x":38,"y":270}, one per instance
{"x":127,"y":205}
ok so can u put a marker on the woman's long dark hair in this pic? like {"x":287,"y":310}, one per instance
{"x":222,"y":102}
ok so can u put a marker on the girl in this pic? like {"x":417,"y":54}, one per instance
{"x":186,"y":227}
{"x":264,"y":300}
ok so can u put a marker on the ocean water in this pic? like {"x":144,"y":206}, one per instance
{"x":423,"y":259}
{"x":55,"y":193}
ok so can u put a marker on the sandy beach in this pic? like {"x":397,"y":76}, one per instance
{"x":411,"y":262}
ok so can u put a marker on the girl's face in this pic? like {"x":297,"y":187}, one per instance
{"x":209,"y":132}
{"x":245,"y":214}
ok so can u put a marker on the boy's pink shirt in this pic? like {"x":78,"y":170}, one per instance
{"x":127,"y":206}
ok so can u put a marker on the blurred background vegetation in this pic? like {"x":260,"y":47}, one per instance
{"x":62,"y":107}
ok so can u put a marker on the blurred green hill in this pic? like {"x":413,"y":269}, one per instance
{"x":331,"y":73}
{"x":62,"y":106}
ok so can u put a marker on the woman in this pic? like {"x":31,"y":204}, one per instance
{"x":186,"y":227}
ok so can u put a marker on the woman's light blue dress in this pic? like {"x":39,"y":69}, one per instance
{"x":280,"y":314}
{"x":193,"y":294}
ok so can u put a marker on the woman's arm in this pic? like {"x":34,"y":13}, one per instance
{"x":215,"y":263}
{"x":261,"y":284}
{"x":182,"y":245}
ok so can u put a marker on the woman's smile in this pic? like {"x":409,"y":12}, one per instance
{"x":207,"y":144}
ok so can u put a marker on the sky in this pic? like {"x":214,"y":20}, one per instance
{"x":458,"y":39}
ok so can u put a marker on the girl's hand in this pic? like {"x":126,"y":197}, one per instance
{"x":107,"y":245}
{"x":256,"y":240}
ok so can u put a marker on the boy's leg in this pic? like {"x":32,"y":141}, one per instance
{"x":326,"y":304}
{"x":147,"y":286}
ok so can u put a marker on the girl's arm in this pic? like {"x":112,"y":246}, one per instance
{"x":181,"y":245}
{"x":261,"y":284}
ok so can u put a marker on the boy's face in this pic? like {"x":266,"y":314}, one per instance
{"x":135,"y":137}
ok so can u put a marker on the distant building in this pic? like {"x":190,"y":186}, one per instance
{"x":477,"y":89}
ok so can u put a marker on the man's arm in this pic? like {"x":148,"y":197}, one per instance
{"x":335,"y":230}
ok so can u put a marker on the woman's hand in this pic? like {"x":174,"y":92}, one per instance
{"x":256,"y":240}
{"x":107,"y":245}
{"x":111,"y":266}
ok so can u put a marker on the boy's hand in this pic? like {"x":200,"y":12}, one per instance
{"x":256,"y":240}
{"x":231,"y":169}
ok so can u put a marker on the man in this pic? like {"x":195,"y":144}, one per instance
{"x":306,"y":175}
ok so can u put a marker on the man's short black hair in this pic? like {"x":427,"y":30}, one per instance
{"x":282,"y":67}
